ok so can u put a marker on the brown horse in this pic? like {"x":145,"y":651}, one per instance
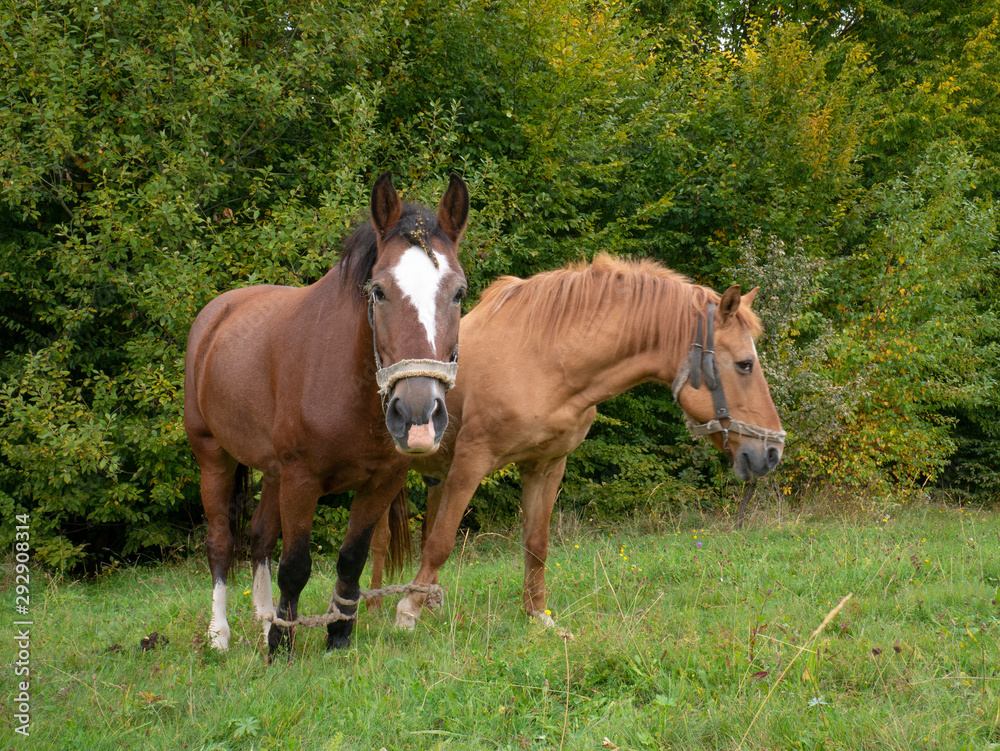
{"x":539,"y":354}
{"x":291,"y":381}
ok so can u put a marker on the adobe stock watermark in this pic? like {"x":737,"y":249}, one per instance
{"x":22,"y":626}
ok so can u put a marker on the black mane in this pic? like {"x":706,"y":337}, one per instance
{"x":361,"y":247}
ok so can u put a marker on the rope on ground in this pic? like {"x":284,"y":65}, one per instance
{"x":435,"y":595}
{"x":748,"y":493}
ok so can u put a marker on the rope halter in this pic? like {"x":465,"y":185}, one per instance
{"x":700,"y":364}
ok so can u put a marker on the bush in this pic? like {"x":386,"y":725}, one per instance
{"x":155,"y":154}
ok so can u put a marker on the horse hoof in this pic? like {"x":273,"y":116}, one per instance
{"x":340,"y":642}
{"x":275,"y":655}
{"x":405,"y":621}
{"x":280,"y":640}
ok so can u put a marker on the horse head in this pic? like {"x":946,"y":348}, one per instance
{"x":722,"y":389}
{"x":415,"y":293}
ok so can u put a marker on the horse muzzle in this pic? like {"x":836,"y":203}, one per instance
{"x":755,"y":458}
{"x":416,"y":414}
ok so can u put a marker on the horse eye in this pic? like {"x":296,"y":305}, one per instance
{"x":378,"y":294}
{"x":460,"y":295}
{"x":745,"y":366}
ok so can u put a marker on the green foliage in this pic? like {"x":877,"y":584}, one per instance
{"x":813,"y":404}
{"x":330,"y":522}
{"x":547,"y":99}
{"x":937,"y":65}
{"x":155,"y":154}
{"x":768,"y":139}
{"x":914,"y":330}
{"x":878,"y":348}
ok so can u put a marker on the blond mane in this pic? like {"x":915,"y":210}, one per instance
{"x":579,"y":296}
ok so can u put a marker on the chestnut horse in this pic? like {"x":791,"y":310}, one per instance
{"x":290,"y":381}
{"x":539,"y":354}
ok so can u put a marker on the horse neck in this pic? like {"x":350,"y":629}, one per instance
{"x":337,"y":310}
{"x":631,"y":345}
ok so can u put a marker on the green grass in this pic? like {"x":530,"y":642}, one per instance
{"x":661,"y":643}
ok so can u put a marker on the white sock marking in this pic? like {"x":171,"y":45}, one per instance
{"x":218,"y":627}
{"x":419,"y":280}
{"x":263,"y":597}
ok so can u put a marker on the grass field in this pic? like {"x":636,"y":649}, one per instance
{"x":691,"y":636}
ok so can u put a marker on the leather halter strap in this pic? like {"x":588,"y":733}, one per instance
{"x":701,"y":365}
{"x":387,"y":377}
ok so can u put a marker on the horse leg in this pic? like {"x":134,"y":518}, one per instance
{"x":467,"y":471}
{"x":434,"y":493}
{"x":435,"y":488}
{"x":366,"y":510}
{"x":218,"y":469}
{"x":380,"y":549}
{"x":298,"y":493}
{"x":539,"y":488}
{"x":264,"y":529}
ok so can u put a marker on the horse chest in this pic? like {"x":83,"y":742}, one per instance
{"x":334,"y":432}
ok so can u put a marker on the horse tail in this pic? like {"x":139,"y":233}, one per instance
{"x":239,"y":510}
{"x":400,"y":539}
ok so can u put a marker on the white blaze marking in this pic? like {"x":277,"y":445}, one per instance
{"x":263,"y":597}
{"x":218,"y":627}
{"x":419,"y":280}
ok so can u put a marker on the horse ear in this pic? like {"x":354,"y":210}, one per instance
{"x":386,"y":206}
{"x":453,"y":212}
{"x":728,"y":305}
{"x":748,"y":298}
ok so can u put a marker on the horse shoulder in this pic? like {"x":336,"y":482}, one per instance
{"x":327,"y":412}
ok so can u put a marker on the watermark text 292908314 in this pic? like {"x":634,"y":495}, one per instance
{"x":22,"y":626}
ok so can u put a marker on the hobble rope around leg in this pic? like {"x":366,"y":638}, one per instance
{"x":435,"y":596}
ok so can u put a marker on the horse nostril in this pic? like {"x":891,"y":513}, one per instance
{"x":395,"y":416}
{"x":773,"y":457}
{"x":439,"y":416}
